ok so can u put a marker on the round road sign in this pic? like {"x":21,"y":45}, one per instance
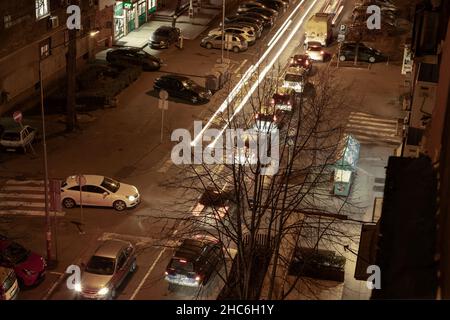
{"x":81,"y":180}
{"x":17,"y":116}
{"x":163,"y":94}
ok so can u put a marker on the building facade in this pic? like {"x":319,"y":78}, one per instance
{"x":33,"y":37}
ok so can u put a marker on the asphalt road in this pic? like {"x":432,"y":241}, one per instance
{"x":125,"y":143}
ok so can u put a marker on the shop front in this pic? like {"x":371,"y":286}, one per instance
{"x":129,"y":15}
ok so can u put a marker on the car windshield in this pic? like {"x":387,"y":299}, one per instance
{"x":13,"y":136}
{"x":315,"y":48}
{"x":190,"y":84}
{"x":180,"y":264}
{"x":100,"y":265}
{"x":293,"y":78}
{"x":15,"y":253}
{"x":110,"y":184}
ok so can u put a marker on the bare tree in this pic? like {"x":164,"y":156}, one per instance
{"x":263,"y":219}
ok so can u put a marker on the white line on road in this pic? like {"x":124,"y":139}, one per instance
{"x":240,"y":66}
{"x":34,"y":213}
{"x":150,"y":270}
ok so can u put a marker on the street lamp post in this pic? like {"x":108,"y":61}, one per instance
{"x":223,"y":27}
{"x":48,"y":235}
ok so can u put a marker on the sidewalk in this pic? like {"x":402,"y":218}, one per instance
{"x":190,"y":28}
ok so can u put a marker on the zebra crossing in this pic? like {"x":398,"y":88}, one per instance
{"x":371,"y":129}
{"x":25,"y":197}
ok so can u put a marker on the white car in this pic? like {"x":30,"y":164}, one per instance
{"x":99,"y":191}
{"x":247,"y":33}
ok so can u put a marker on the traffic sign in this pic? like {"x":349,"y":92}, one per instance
{"x":17,"y":116}
{"x":81,"y":180}
{"x":341,"y":37}
{"x":163,"y":94}
{"x":163,"y":104}
{"x":342,"y":28}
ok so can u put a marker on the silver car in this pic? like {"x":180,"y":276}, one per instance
{"x":106,"y":270}
{"x":232,"y":42}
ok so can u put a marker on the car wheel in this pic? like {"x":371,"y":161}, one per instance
{"x":342,"y":58}
{"x":208,"y":45}
{"x":69,"y":203}
{"x":194,"y":99}
{"x":133,"y":266}
{"x":371,"y":59}
{"x":236,"y":49}
{"x":119,"y":205}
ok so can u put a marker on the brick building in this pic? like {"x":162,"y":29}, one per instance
{"x":33,"y":34}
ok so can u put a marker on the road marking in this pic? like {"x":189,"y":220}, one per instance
{"x":240,"y":66}
{"x":53,"y":287}
{"x":150,"y":270}
{"x":34,"y":213}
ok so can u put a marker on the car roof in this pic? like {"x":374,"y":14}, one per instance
{"x":164,"y":28}
{"x":110,"y":248}
{"x":174,"y":76}
{"x":190,"y":249}
{"x":90,"y":179}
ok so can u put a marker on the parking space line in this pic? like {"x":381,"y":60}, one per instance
{"x":150,"y":270}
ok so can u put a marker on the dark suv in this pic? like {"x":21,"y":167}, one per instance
{"x":365,"y":53}
{"x":163,"y":37}
{"x":133,"y":56}
{"x":182,"y":87}
{"x":194,"y":262}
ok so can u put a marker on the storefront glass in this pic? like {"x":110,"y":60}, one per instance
{"x":152,"y":6}
{"x":119,"y":25}
{"x":141,"y":12}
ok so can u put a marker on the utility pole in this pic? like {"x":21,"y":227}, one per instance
{"x":48,"y":234}
{"x":223,"y":27}
{"x":71,"y":61}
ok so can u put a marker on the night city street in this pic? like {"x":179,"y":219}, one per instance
{"x":237,"y":150}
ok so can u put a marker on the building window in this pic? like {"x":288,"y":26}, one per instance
{"x":44,"y":48}
{"x":42,"y":9}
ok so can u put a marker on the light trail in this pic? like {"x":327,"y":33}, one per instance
{"x":264,"y":72}
{"x":240,"y":84}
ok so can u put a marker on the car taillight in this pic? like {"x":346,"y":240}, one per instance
{"x":166,"y":273}
{"x":198,"y":278}
{"x":182,"y":261}
{"x":307,"y":62}
{"x":272,"y":101}
{"x":292,"y":60}
{"x":256,"y":116}
{"x":322,"y":52}
{"x":289,"y":103}
{"x":274,"y":118}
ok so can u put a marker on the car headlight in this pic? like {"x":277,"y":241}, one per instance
{"x":131,"y":198}
{"x":77,"y":287}
{"x":103,"y":291}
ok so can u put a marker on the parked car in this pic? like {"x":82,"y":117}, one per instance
{"x":301,"y":61}
{"x":267,"y":122}
{"x":248,"y":34}
{"x":265,"y":11}
{"x":194,"y":262}
{"x":9,"y":287}
{"x":365,"y":53}
{"x":164,"y":36}
{"x":240,"y":18}
{"x":257,"y":7}
{"x":315,"y":51}
{"x":234,"y":42}
{"x":256,"y":29}
{"x":28,"y":266}
{"x":213,"y":203}
{"x":106,"y":270}
{"x":182,"y":87}
{"x":99,"y":191}
{"x":18,"y":138}
{"x":276,"y":5}
{"x":257,"y":24}
{"x":133,"y":56}
{"x":267,"y":20}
